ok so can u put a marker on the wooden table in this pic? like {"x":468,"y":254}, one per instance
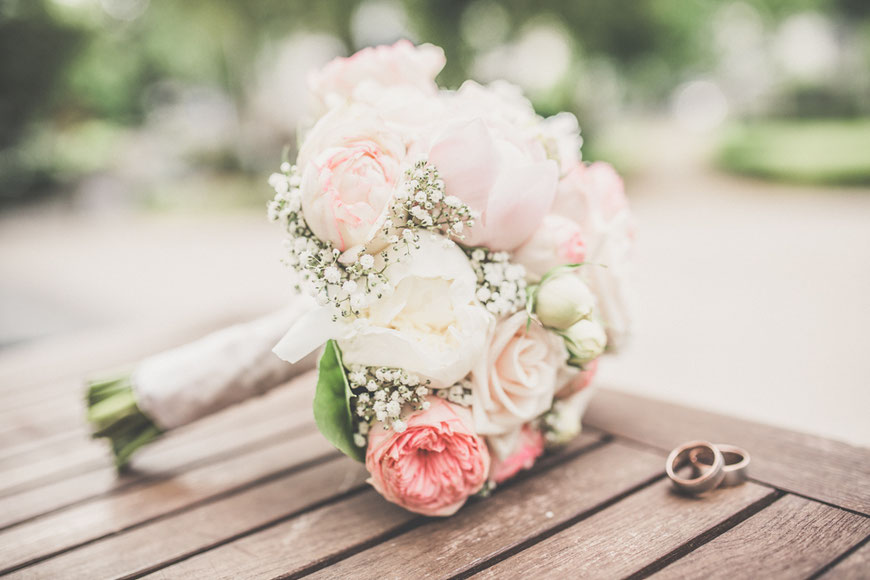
{"x":256,"y":492}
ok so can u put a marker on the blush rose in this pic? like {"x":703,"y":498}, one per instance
{"x":515,"y":380}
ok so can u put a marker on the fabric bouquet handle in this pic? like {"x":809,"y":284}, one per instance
{"x":184,"y":384}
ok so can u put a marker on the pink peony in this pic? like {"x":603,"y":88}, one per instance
{"x":529,"y":446}
{"x":350,"y":169}
{"x":488,"y":159}
{"x":401,"y":65}
{"x":434,"y":464}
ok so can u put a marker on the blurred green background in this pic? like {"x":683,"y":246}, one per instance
{"x":160,"y":102}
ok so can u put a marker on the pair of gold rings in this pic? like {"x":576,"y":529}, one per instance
{"x":719,"y":465}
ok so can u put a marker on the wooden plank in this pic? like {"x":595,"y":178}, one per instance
{"x":325,"y":533}
{"x":629,"y":535}
{"x":41,"y":423}
{"x":485,"y":529}
{"x":155,"y":464}
{"x":294,"y":545}
{"x":73,"y":460}
{"x":141,"y":503}
{"x":793,"y":538}
{"x":856,"y":566}
{"x":169,"y":539}
{"x":819,"y":468}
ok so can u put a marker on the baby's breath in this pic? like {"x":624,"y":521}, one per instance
{"x":460,"y":393}
{"x":501,"y":284}
{"x":382,"y":394}
{"x":421,"y":205}
{"x":347,"y":283}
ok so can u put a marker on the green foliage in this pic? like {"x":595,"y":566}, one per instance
{"x":826,"y":152}
{"x":332,"y":410}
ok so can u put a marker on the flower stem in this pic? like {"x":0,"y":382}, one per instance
{"x":114,"y":414}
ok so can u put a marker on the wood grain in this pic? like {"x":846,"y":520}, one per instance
{"x":856,"y":566}
{"x":157,"y":465}
{"x":319,"y":535}
{"x":149,"y":500}
{"x":819,"y":468}
{"x":83,"y":468}
{"x":628,"y":535}
{"x":793,"y":538}
{"x":298,"y":543}
{"x":145,"y":548}
{"x":484,"y":529}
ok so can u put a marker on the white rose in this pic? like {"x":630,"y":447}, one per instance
{"x":563,"y":300}
{"x":430,"y":324}
{"x":585,"y":341}
{"x":350,"y":169}
{"x":515,"y":380}
{"x":557,"y":241}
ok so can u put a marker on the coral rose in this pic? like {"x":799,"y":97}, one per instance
{"x":432,"y":466}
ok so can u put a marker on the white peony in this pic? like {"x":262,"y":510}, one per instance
{"x":429,"y":323}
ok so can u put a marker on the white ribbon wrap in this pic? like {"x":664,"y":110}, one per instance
{"x":179,"y":386}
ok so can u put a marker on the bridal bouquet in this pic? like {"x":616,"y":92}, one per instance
{"x":464,"y":269}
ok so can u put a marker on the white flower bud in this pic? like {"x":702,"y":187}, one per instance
{"x":585,"y":341}
{"x":563,"y":300}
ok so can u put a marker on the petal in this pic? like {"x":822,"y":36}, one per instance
{"x":466,"y":159}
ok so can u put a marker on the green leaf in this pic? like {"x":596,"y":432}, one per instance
{"x":332,"y":411}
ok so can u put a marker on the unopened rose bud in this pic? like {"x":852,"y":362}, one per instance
{"x":562,"y":301}
{"x":585,"y":341}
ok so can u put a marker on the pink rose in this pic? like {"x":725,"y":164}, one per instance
{"x":594,"y":197}
{"x":594,"y":191}
{"x":575,"y":380}
{"x":434,"y":465}
{"x":489,"y":160}
{"x":516,"y":379}
{"x":401,"y":65}
{"x":557,"y":241}
{"x":350,"y":168}
{"x":529,"y":446}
